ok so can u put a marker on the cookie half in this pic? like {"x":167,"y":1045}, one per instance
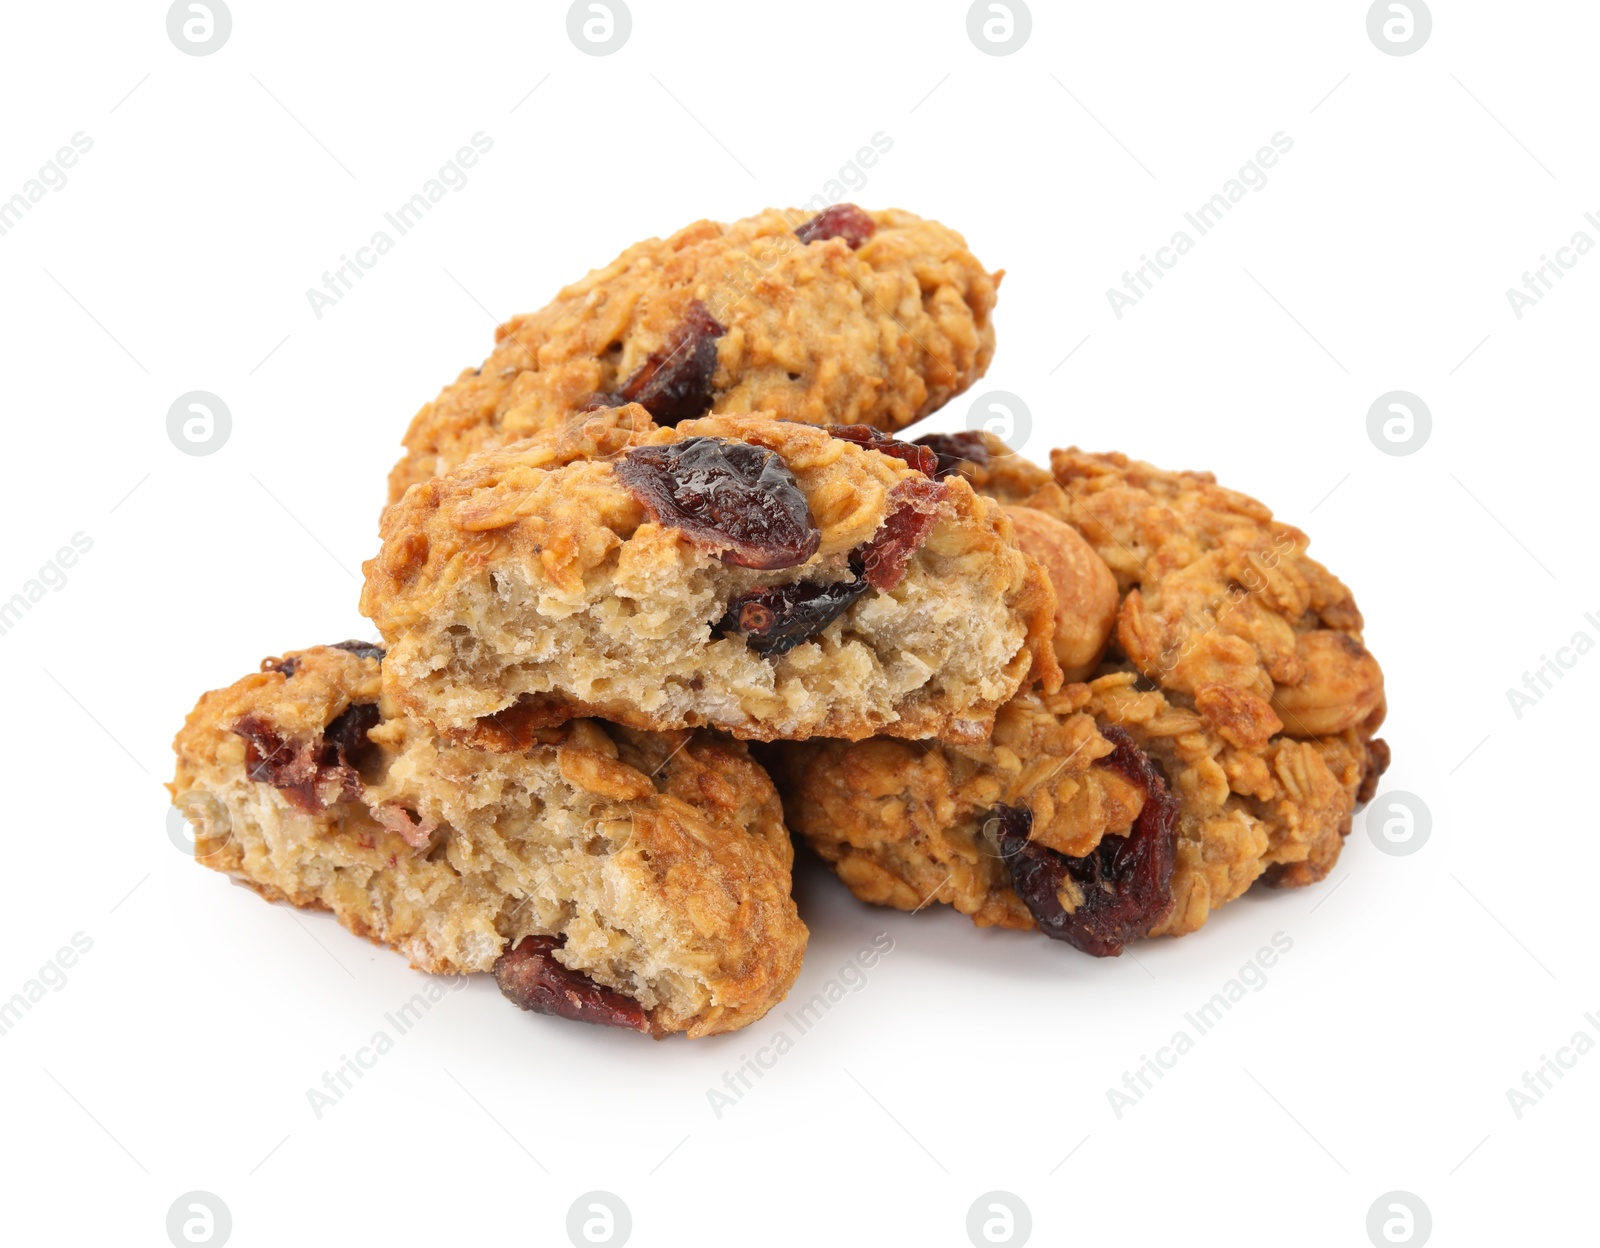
{"x":638,"y":880}
{"x":768,"y":578}
{"x":847,"y":317}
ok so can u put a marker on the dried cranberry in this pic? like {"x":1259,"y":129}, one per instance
{"x":674,"y":384}
{"x":344,"y":741}
{"x":844,"y":221}
{"x":310,"y":773}
{"x":266,"y":754}
{"x":954,"y":449}
{"x":738,"y":500}
{"x":777,"y":619}
{"x":1126,"y":883}
{"x":914,"y":510}
{"x":919,"y":457}
{"x":530,"y":977}
{"x":361,"y":649}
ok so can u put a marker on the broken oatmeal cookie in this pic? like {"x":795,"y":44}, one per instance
{"x":639,"y":880}
{"x":768,"y":578}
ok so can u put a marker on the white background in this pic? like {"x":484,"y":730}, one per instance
{"x":177,"y":257}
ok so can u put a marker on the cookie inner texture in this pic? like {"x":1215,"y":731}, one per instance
{"x":496,"y":862}
{"x":638,"y":644}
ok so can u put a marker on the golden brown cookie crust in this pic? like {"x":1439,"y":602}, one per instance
{"x":661,"y":860}
{"x":906,"y":823}
{"x":1266,"y":775}
{"x":530,"y":585}
{"x":815,"y":332}
{"x":1250,"y":638}
{"x":1216,"y":592}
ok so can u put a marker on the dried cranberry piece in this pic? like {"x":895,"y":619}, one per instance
{"x":306,"y":772}
{"x":954,"y":449}
{"x":1126,"y":883}
{"x":777,"y":619}
{"x":914,"y":510}
{"x":738,"y":500}
{"x":674,"y":384}
{"x":361,"y":649}
{"x":267,"y":755}
{"x":919,"y":457}
{"x":344,"y":741}
{"x":529,"y":976}
{"x":844,"y":221}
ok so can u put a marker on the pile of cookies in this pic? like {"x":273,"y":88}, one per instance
{"x":659,"y":586}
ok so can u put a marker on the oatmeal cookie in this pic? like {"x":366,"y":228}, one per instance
{"x":634,"y":879}
{"x":765,"y":577}
{"x":1036,"y":825}
{"x":846,"y":318}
